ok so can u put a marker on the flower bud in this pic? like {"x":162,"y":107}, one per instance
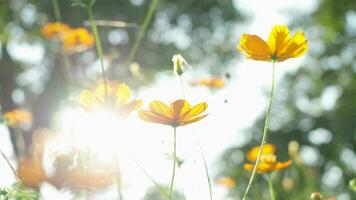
{"x":352,"y":184}
{"x":316,"y":196}
{"x":179,"y":64}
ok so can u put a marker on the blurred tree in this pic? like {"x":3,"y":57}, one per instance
{"x":316,"y":107}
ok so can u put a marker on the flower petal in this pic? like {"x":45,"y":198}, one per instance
{"x":126,"y":109}
{"x":88,"y":99}
{"x":261,"y":167}
{"x":255,"y":48}
{"x":282,"y":165}
{"x":122,"y":94}
{"x":185,"y":122}
{"x":152,"y":117}
{"x":253,"y":153}
{"x":296,"y":47}
{"x":179,"y":108}
{"x":160,"y":108}
{"x":278,"y":38}
{"x":195,"y":110}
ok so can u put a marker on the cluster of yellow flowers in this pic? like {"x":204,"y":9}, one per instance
{"x":72,"y":39}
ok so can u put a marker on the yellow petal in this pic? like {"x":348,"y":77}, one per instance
{"x":185,"y":122}
{"x":152,"y":117}
{"x":255,"y":48}
{"x":282,"y":165}
{"x":122,"y":94}
{"x":179,"y":108}
{"x":261,"y":167}
{"x":278,"y":38}
{"x":160,"y":108}
{"x":253,"y":153}
{"x":296,"y":47}
{"x":195,"y":110}
{"x":126,"y":109}
{"x":88,"y":99}
{"x":100,"y":91}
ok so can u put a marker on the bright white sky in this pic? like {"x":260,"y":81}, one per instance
{"x":148,"y":143}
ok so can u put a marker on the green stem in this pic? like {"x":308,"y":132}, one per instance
{"x":174,"y":162}
{"x":57,"y":15}
{"x":205,"y":167}
{"x":270,"y":186}
{"x":143,"y":30}
{"x":10,"y":165}
{"x":56,"y":10}
{"x":162,"y":189}
{"x":200,"y":147}
{"x":99,"y":48}
{"x":265,"y":133}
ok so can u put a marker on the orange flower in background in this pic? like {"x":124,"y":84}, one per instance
{"x":30,"y":171}
{"x":179,"y":113}
{"x":77,"y":40}
{"x":54,"y":30}
{"x":227,"y":182}
{"x":17,"y":116}
{"x":93,"y":179}
{"x":279,"y":47}
{"x":117,"y":97}
{"x":268,"y":162}
{"x":213,"y":82}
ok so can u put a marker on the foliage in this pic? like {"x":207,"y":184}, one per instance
{"x":17,"y":192}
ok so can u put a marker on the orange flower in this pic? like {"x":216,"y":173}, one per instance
{"x":268,"y":162}
{"x":279,"y":47}
{"x":117,"y":97}
{"x":17,"y":116}
{"x":31,"y":172}
{"x":77,"y":40}
{"x":92,"y":179}
{"x":54,"y":30}
{"x":179,"y":113}
{"x":227,"y":182}
{"x":213,"y":82}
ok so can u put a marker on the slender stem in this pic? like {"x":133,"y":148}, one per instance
{"x":20,"y":142}
{"x":205,"y":166}
{"x":143,"y":30}
{"x":200,"y":147}
{"x":56,"y":10}
{"x":182,"y":85}
{"x":10,"y":165}
{"x":162,"y":189}
{"x":174,"y":162}
{"x":57,"y":15}
{"x":117,"y":176}
{"x":265,"y":133}
{"x":99,"y":48}
{"x":271,"y":188}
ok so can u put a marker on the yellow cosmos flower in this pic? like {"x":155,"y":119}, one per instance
{"x":279,"y":47}
{"x":117,"y":98}
{"x":268,"y":162}
{"x":31,"y":172}
{"x":179,"y":113}
{"x":16,"y":117}
{"x":227,"y":182}
{"x":213,"y":82}
{"x":54,"y":30}
{"x":77,"y":40}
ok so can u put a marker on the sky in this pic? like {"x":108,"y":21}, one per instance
{"x":222,"y":128}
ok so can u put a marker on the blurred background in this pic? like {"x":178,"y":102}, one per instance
{"x":314,"y":104}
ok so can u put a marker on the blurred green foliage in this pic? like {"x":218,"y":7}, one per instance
{"x":17,"y":192}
